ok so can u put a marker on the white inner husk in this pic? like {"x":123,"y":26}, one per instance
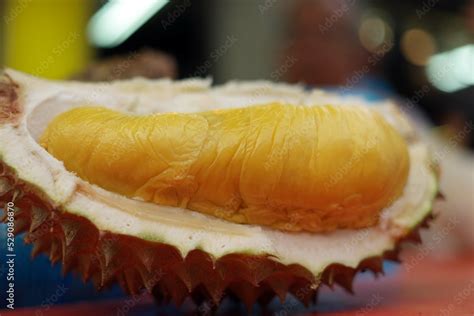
{"x":188,"y":230}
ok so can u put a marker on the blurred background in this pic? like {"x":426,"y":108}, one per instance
{"x":420,"y":50}
{"x":418,"y":53}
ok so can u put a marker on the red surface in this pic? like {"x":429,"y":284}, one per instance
{"x":443,"y":287}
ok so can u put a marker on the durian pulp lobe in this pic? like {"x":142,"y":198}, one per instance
{"x":290,"y":167}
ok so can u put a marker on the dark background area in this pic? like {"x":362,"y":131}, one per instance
{"x":191,"y":38}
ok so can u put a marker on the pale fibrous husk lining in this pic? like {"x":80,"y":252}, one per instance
{"x":136,"y":263}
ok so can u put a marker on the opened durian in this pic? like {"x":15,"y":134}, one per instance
{"x":251,"y":189}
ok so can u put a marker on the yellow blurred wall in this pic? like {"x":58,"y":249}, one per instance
{"x":47,"y":38}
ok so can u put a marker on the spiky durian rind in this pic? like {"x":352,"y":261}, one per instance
{"x":134,"y":263}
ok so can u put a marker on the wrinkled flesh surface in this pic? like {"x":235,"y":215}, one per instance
{"x":315,"y":169}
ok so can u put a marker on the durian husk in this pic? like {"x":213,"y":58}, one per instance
{"x":136,"y":264}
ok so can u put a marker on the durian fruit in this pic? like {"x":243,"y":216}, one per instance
{"x":249,"y":189}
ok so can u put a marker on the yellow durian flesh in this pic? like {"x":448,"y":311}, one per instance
{"x":290,"y":167}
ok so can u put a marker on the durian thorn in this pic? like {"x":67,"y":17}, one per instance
{"x":16,"y":193}
{"x":38,"y":217}
{"x":5,"y":186}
